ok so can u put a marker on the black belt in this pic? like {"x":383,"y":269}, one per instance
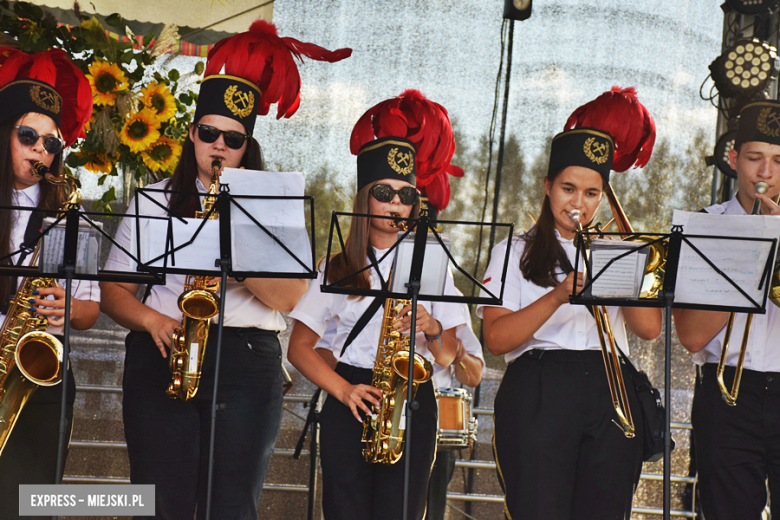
{"x":749,"y":377}
{"x":560,"y":355}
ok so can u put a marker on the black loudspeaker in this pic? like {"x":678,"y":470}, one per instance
{"x":517,"y":9}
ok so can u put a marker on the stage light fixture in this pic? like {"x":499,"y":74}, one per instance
{"x":752,"y":7}
{"x":722,"y":148}
{"x":744,"y":68}
{"x":517,"y":9}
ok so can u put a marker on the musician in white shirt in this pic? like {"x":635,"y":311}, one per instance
{"x":738,"y":447}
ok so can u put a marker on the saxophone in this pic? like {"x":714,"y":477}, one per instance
{"x":383,"y":433}
{"x":29,"y":356}
{"x":198,"y":303}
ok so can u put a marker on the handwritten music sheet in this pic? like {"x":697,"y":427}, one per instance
{"x":741,"y":260}
{"x":623,"y":278}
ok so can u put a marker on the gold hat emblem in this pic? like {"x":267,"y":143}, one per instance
{"x":401,"y":162}
{"x":45,"y":98}
{"x":596,"y":151}
{"x":234,"y":97}
{"x":768,"y":122}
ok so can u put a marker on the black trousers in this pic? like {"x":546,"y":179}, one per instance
{"x":354,"y":489}
{"x":737,"y":447}
{"x":30,"y":455}
{"x":558,"y":453}
{"x":168,"y":440}
{"x":443,"y":469}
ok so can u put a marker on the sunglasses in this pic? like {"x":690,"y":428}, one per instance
{"x":386,"y":193}
{"x":29,"y":136}
{"x":209,"y":134}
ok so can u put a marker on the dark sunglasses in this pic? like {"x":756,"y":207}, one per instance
{"x":28,"y":137}
{"x":386,"y":193}
{"x":209,"y":134}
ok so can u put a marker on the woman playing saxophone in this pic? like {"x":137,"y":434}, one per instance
{"x":168,"y":439}
{"x":37,"y":119}
{"x":352,"y":486}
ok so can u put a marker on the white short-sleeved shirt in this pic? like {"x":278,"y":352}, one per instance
{"x":29,"y":197}
{"x":443,"y":377}
{"x":242,"y":308}
{"x":316,"y":309}
{"x":762,"y":354}
{"x":571,"y":327}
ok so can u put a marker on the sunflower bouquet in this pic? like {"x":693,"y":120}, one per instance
{"x":140,"y":116}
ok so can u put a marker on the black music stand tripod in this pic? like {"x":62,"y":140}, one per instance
{"x":412,"y":293}
{"x":72,"y":217}
{"x":666,"y":299}
{"x":224,"y":204}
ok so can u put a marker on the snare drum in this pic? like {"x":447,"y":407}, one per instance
{"x":457,"y":425}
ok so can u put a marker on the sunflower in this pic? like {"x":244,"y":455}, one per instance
{"x":106,"y":79}
{"x":140,"y":130}
{"x":97,"y":162}
{"x":157,"y":97}
{"x":162,"y":155}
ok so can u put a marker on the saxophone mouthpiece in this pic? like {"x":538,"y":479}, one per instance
{"x":761,"y":187}
{"x":399,"y":222}
{"x":216,"y":164}
{"x":38,"y":169}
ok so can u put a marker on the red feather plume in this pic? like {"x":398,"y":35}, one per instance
{"x":263,"y":58}
{"x":620,"y":114}
{"x":438,"y":190}
{"x":53,"y":67}
{"x":425,"y":123}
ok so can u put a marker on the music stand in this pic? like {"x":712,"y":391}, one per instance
{"x":230,"y":209}
{"x":666,"y":298}
{"x":74,"y":218}
{"x":412,"y":293}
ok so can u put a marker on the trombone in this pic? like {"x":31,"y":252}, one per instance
{"x":731,"y":396}
{"x":617,"y":386}
{"x":655,"y":269}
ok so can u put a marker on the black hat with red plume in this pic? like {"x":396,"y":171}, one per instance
{"x":47,"y":83}
{"x":423,"y":123}
{"x":246,"y":73}
{"x":612,"y":132}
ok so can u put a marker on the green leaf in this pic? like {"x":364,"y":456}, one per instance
{"x":114,"y":20}
{"x":173,"y":75}
{"x":71,"y":160}
{"x":185,"y":98}
{"x":199,"y":68}
{"x":28,"y":10}
{"x":148,"y":38}
{"x":102,"y":179}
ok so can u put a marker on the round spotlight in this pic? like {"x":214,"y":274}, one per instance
{"x":744,"y":68}
{"x":752,"y":6}
{"x":722,"y":148}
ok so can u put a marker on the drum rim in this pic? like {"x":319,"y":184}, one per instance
{"x":453,"y":392}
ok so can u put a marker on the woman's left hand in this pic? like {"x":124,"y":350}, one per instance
{"x":425,"y":322}
{"x":53,"y":310}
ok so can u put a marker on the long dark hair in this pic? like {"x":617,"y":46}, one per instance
{"x":353,"y":258}
{"x":543,"y":254}
{"x":186,"y":173}
{"x":51,"y":197}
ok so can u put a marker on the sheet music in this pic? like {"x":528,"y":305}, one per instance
{"x":623,"y":278}
{"x":252,"y":248}
{"x":87,"y":248}
{"x":435,"y":265}
{"x":742,"y":260}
